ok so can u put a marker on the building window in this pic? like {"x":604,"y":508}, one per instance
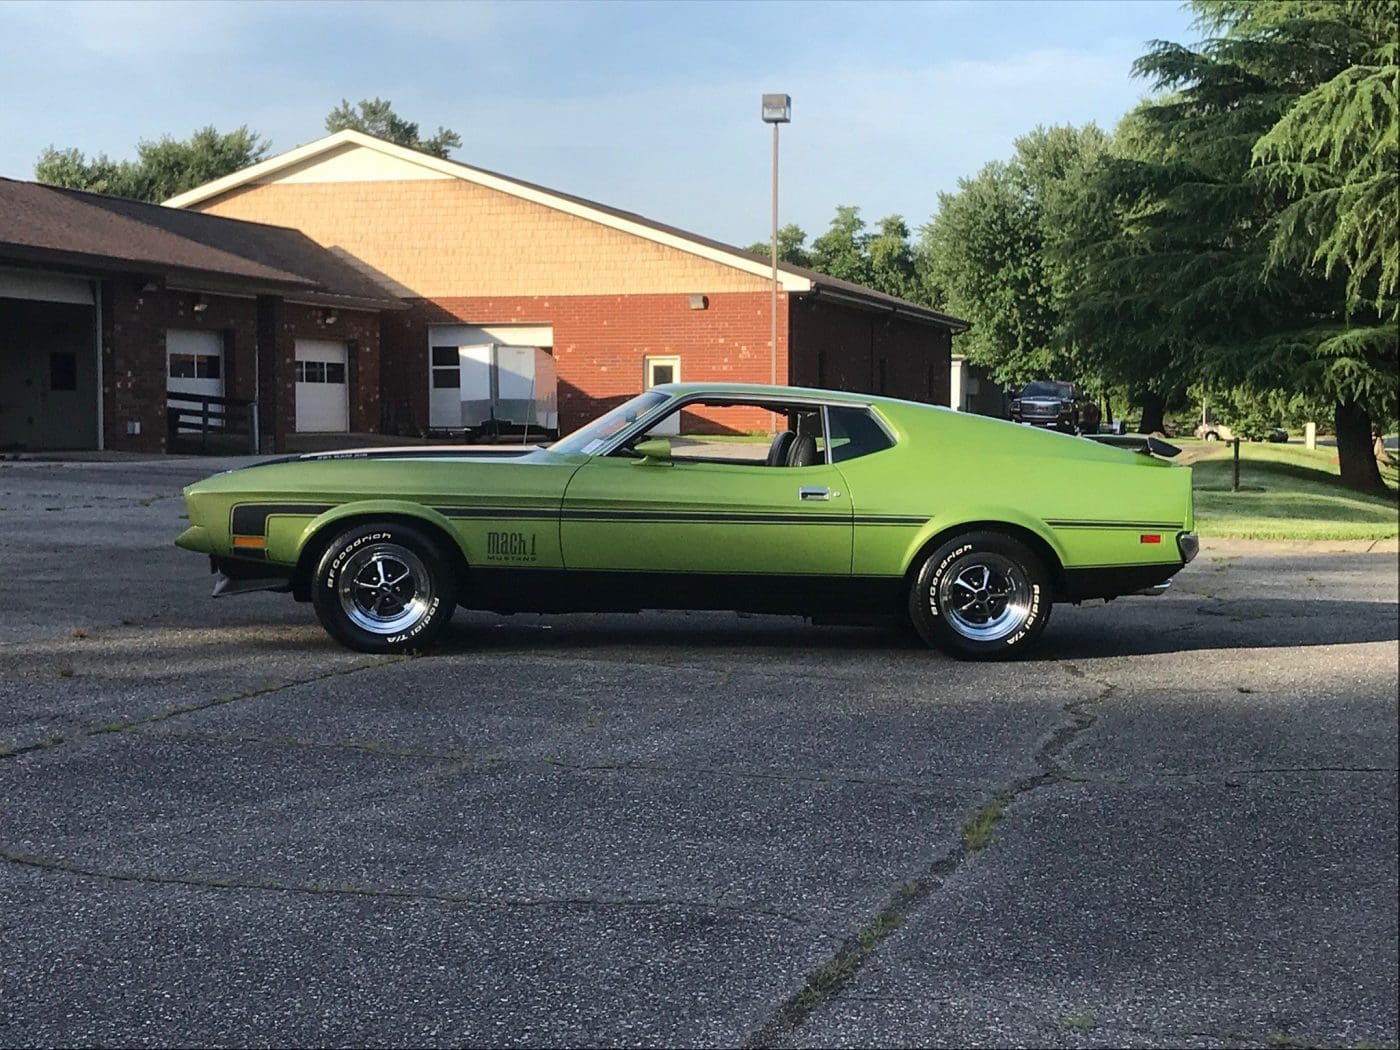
{"x":195,"y":366}
{"x":446,"y":368}
{"x":661,"y":370}
{"x":63,"y":371}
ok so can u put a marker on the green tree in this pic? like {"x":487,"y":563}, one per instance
{"x":988,"y":255}
{"x":1337,"y":150}
{"x":891,"y":259}
{"x":841,"y":251}
{"x":792,"y":246}
{"x":1117,"y":321}
{"x":162,"y":169}
{"x":1202,"y":223}
{"x":885,"y":260}
{"x":376,"y":117}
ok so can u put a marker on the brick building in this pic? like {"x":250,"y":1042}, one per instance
{"x":327,"y":290}
{"x":113,"y":311}
{"x":621,"y":301}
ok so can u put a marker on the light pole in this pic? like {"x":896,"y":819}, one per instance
{"x":777,"y":109}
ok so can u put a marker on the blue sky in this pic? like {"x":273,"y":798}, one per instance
{"x":647,"y":106}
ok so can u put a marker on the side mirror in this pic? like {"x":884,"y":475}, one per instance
{"x":654,"y":448}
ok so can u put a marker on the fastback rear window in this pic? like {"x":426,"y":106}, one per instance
{"x":855,"y":433}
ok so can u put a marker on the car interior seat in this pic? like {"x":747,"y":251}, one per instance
{"x":803,"y":452}
{"x":778,"y":451}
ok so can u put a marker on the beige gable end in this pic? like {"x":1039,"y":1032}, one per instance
{"x":449,"y":237}
{"x":352,"y":163}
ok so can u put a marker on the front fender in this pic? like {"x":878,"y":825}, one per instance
{"x":360,"y":509}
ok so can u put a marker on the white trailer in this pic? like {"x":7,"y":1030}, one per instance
{"x":508,"y":387}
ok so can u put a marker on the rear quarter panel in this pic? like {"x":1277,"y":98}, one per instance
{"x":1090,"y":503}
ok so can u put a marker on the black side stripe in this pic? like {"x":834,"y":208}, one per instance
{"x":1165,"y":526}
{"x":495,"y":512}
{"x":683,"y":516}
{"x":250,"y":519}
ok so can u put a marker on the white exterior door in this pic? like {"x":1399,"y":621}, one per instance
{"x":194,"y":362}
{"x":323,"y":387}
{"x":661,"y":370}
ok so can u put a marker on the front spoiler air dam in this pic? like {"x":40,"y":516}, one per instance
{"x":226,"y":585}
{"x":195,"y":538}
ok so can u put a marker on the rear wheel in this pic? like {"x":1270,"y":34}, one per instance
{"x":384,"y":588}
{"x":981,"y":596}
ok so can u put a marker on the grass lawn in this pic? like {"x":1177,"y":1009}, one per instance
{"x":1286,"y":493}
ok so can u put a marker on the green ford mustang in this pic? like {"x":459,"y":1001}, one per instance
{"x":845,"y":508}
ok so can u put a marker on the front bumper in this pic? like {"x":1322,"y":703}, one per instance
{"x":1055,"y":422}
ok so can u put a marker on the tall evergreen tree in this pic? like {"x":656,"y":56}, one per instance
{"x":1201,"y":222}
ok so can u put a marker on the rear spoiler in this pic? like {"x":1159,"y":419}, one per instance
{"x":1144,"y":443}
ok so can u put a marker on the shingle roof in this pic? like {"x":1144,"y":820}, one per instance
{"x":48,"y":223}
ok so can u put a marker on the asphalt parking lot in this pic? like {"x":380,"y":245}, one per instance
{"x":217,"y":827}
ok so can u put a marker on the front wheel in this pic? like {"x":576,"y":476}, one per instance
{"x":384,"y":588}
{"x":981,"y":596}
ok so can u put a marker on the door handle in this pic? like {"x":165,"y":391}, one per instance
{"x":813,"y":493}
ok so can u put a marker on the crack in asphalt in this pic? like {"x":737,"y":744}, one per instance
{"x":845,"y":963}
{"x":62,"y":867}
{"x":478,"y":762}
{"x":88,"y":732}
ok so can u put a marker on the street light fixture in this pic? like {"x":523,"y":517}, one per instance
{"x":777,"y":109}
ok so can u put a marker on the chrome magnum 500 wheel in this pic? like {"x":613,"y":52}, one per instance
{"x":384,"y":588}
{"x":982,"y":595}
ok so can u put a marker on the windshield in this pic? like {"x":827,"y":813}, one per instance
{"x":1060,"y":390}
{"x":589,"y":438}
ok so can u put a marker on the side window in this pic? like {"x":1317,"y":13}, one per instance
{"x":854,"y":432}
{"x":753,"y":434}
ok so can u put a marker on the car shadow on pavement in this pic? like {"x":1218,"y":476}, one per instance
{"x":665,"y":631}
{"x":1246,"y":623}
{"x":1185,"y":627}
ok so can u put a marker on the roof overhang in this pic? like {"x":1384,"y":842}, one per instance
{"x":893,"y":307}
{"x":187,"y":278}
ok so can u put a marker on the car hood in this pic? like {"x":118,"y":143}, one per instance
{"x":411,"y":452}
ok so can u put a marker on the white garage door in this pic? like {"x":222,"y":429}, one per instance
{"x":323,"y":388}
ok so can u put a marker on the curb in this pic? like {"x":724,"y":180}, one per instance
{"x":1224,"y":545}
